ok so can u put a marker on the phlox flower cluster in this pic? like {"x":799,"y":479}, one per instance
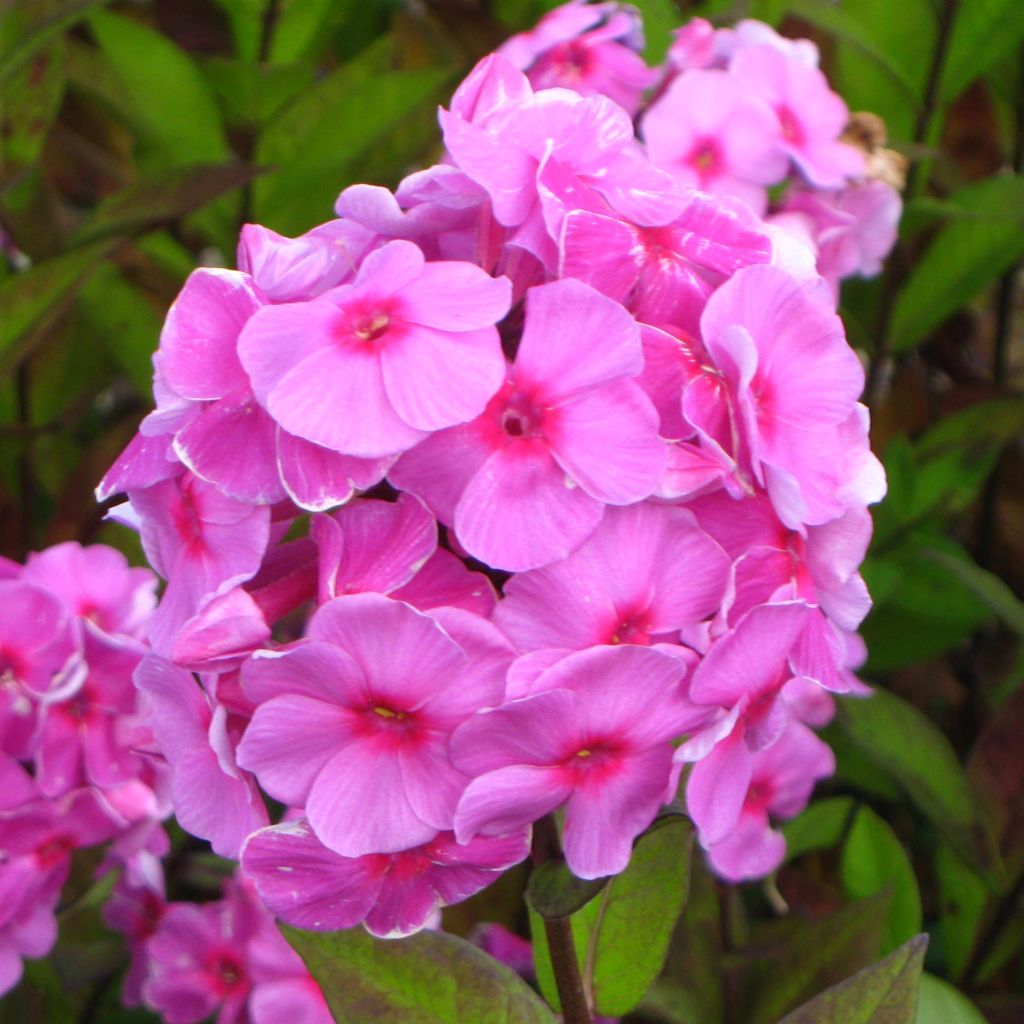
{"x":536,"y":486}
{"x":190,"y":961}
{"x":73,"y":766}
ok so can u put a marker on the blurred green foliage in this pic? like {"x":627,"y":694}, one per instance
{"x":135,"y":139}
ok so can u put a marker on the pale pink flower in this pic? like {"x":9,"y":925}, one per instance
{"x":370,"y":368}
{"x":781,"y":780}
{"x":589,"y":48}
{"x":353,"y":724}
{"x":664,"y":274}
{"x":794,"y":383}
{"x":295,"y":269}
{"x":201,"y":542}
{"x":810,"y":115}
{"x":715,"y":134}
{"x":40,"y":660}
{"x":596,"y":741}
{"x":213,"y":798}
{"x":645,"y":573}
{"x":527,"y":482}
{"x":309,"y":886}
{"x":540,"y":155}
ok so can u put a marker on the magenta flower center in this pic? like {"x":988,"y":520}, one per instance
{"x":370,"y":328}
{"x":12,"y":670}
{"x":706,"y":159}
{"x":792,"y":130}
{"x":520,"y":418}
{"x":227,"y":972}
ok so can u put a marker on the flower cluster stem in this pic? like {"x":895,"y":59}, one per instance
{"x":561,"y":946}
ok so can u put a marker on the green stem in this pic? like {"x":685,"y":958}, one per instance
{"x":561,"y":945}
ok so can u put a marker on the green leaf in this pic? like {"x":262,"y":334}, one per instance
{"x":660,"y":17}
{"x":166,"y":89}
{"x":302,"y":23}
{"x":29,"y":298}
{"x":792,"y":959}
{"x":885,"y":993}
{"x":554,"y":891}
{"x":912,"y":749}
{"x":622,"y":937}
{"x":30,"y":102}
{"x":873,"y":859}
{"x":963,"y":896}
{"x":918,"y":614}
{"x":30,"y":26}
{"x":821,"y":826}
{"x":251,"y":94}
{"x":122,"y":321}
{"x":870,"y":45}
{"x":330,"y":128}
{"x":428,"y":978}
{"x":163,"y":197}
{"x":965,"y":258}
{"x":985,"y":31}
{"x":939,"y":1003}
{"x":986,"y":586}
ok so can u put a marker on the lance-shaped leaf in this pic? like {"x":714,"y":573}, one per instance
{"x":554,"y":891}
{"x":163,"y":197}
{"x":885,"y":993}
{"x":429,"y":978}
{"x":873,"y":860}
{"x":905,"y":743}
{"x":792,"y":959}
{"x":939,"y":1003}
{"x":30,"y":298}
{"x":966,"y":257}
{"x":622,"y":936}
{"x":820,"y":827}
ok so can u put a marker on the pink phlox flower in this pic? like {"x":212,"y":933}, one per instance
{"x":781,"y":780}
{"x":146,"y":460}
{"x":353,"y":723}
{"x":310,"y":886}
{"x":715,"y":134}
{"x":591,"y":49}
{"x":198,"y":963}
{"x":370,"y":368}
{"x":89,"y":736}
{"x":645,"y":573}
{"x":444,"y":581}
{"x":225,"y":630}
{"x":810,"y":116}
{"x":852,"y":230}
{"x":749,"y":32}
{"x":205,"y":399}
{"x":527,"y":482}
{"x":694,"y":45}
{"x":372,"y":546}
{"x":297,"y":269}
{"x":664,"y":274}
{"x":201,"y":542}
{"x":443,"y":211}
{"x":40,"y":661}
{"x":96,"y":584}
{"x":793,"y":383}
{"x":817,"y":564}
{"x":506,"y":947}
{"x":135,"y":911}
{"x":540,"y":155}
{"x":213,"y":798}
{"x":29,"y":930}
{"x":595,"y":740}
{"x":745,"y":673}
